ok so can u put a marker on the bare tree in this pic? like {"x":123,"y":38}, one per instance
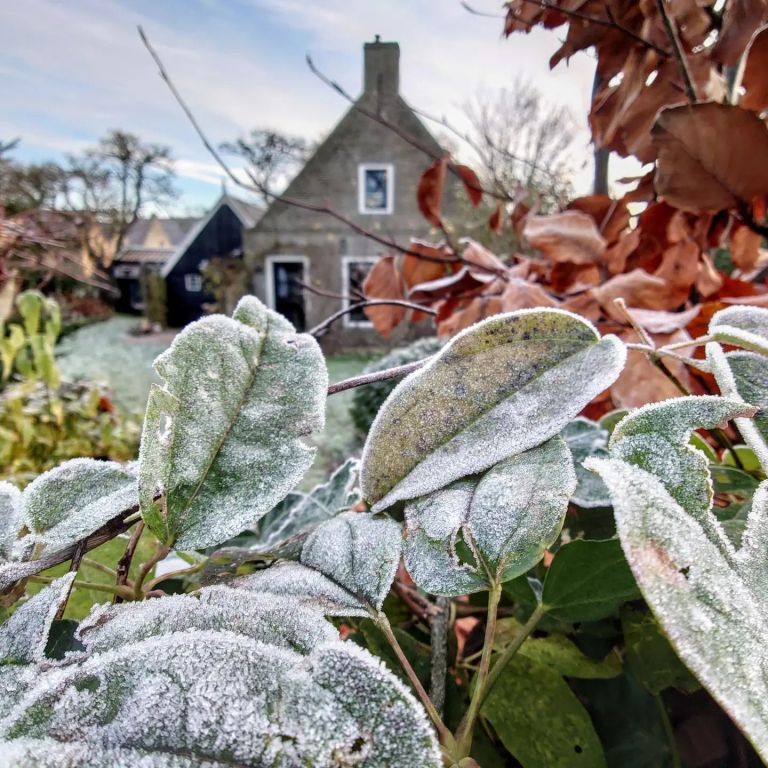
{"x":523,"y":141}
{"x":271,"y":155}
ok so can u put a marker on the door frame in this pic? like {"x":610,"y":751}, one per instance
{"x":269,"y":276}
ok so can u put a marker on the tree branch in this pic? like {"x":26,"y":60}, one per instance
{"x":321,"y":328}
{"x":370,"y":378}
{"x":677,"y":49}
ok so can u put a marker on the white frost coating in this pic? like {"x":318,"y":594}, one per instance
{"x":216,"y":695}
{"x":587,"y":438}
{"x":10,"y":518}
{"x":12,"y":572}
{"x":752,"y":557}
{"x":75,"y":499}
{"x":524,"y":420}
{"x":239,"y":396}
{"x":298,"y":512}
{"x":305,"y":585}
{"x":655,"y":438}
{"x":715,"y":619}
{"x":726,"y":380}
{"x":24,"y":635}
{"x":743,"y":326}
{"x":259,"y":616}
{"x":360,"y":552}
{"x":509,"y":517}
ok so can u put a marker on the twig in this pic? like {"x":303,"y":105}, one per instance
{"x":370,"y":378}
{"x":438,"y":656}
{"x":621,"y":305}
{"x":418,"y":605}
{"x":124,"y":563}
{"x":677,"y":49}
{"x":172,"y":575}
{"x":161,"y":551}
{"x":321,"y":328}
{"x":97,"y":566}
{"x":93,"y":586}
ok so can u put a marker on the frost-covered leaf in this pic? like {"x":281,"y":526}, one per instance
{"x":587,"y":438}
{"x":14,"y":571}
{"x":739,"y":374}
{"x":741,"y":325}
{"x":588,"y":580}
{"x":261,"y":616}
{"x":507,"y":518}
{"x":656,"y":438}
{"x":75,"y":499}
{"x":222,"y":438}
{"x":298,"y":512}
{"x":700,"y":590}
{"x":229,"y":699}
{"x":24,"y":635}
{"x":539,"y":719}
{"x":500,"y":387}
{"x":10,"y":518}
{"x":306,"y":585}
{"x":359,"y":552}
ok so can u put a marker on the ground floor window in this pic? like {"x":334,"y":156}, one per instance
{"x":354,"y":270}
{"x":193,"y":283}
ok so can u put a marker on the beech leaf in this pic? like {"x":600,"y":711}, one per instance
{"x":222,"y":439}
{"x":429,"y":194}
{"x":495,"y":390}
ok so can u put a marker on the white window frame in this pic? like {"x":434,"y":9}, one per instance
{"x":269,"y":276}
{"x":193,"y":278}
{"x":390,"y":171}
{"x":348,"y":300}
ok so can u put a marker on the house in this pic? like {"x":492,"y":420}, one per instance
{"x":176,"y":248}
{"x":365,"y":171}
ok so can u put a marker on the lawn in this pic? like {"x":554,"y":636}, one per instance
{"x":107,"y":352}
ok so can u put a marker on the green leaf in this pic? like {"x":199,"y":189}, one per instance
{"x":222,"y":439}
{"x":651,"y":658}
{"x":75,"y":499}
{"x":588,"y":580}
{"x":743,"y":326}
{"x":709,"y":598}
{"x":557,"y":652}
{"x":539,"y":719}
{"x":586,"y":438}
{"x":501,"y":387}
{"x":10,"y":518}
{"x":507,"y":517}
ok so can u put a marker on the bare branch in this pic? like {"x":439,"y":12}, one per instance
{"x":677,"y":48}
{"x":370,"y":378}
{"x":321,"y":328}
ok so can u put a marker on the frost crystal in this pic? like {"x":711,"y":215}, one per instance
{"x":10,"y":518}
{"x":499,"y":388}
{"x":587,"y":438}
{"x":743,"y":326}
{"x":222,"y":439}
{"x":75,"y":499}
{"x":507,"y":518}
{"x":706,"y":597}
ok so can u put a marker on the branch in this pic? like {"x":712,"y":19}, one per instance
{"x":321,"y":328}
{"x":370,"y":378}
{"x":677,"y":48}
{"x":438,"y":628}
{"x":124,"y":564}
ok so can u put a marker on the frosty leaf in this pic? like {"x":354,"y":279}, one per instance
{"x":500,"y":387}
{"x":10,"y":518}
{"x":587,"y":438}
{"x":360,"y":552}
{"x":743,"y":326}
{"x":739,"y":374}
{"x":752,"y":557}
{"x":260,"y":616}
{"x":222,"y":439}
{"x":228,"y":699}
{"x":13,"y":571}
{"x":298,"y":512}
{"x":712,"y":614}
{"x":305,"y":585}
{"x":508,"y":518}
{"x":655,"y":438}
{"x":23,"y":636}
{"x":77,"y":498}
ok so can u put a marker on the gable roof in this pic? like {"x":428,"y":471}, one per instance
{"x":247,"y":213}
{"x":174,"y":228}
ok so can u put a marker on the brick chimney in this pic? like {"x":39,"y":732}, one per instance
{"x":381,"y":77}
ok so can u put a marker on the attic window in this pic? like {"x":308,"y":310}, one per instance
{"x":354,"y":270}
{"x":193,"y":283}
{"x":376,"y":183}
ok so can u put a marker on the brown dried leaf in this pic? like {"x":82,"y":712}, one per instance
{"x":741,"y":19}
{"x":616,"y":256}
{"x":611,"y":216}
{"x":422,"y":270}
{"x":637,"y":288}
{"x":471,"y":183}
{"x":481,"y":263}
{"x":745,"y":247}
{"x":679,"y":269}
{"x":384,"y":282}
{"x":494,"y":220}
{"x":568,"y":236}
{"x":709,"y":280}
{"x":663,"y":322}
{"x":755,"y":77}
{"x":429,"y":194}
{"x":710,"y":156}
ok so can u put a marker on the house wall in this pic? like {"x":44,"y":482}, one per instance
{"x":220,"y":236}
{"x":331,"y":177}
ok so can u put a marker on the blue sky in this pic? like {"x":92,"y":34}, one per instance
{"x":70,"y":71}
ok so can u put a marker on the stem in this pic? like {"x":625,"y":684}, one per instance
{"x":97,"y":566}
{"x":670,"y":734}
{"x":513,"y":648}
{"x":439,"y":652}
{"x":124,"y":564}
{"x":369,"y":378}
{"x":446,"y":738}
{"x":677,"y":50}
{"x":464,"y":734}
{"x":172,"y":575}
{"x":145,"y":568}
{"x":318,"y":330}
{"x":113,"y":590}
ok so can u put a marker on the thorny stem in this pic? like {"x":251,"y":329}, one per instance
{"x":677,"y":50}
{"x":113,"y":590}
{"x":124,"y":564}
{"x":446,"y":738}
{"x":513,"y":648}
{"x":464,"y":733}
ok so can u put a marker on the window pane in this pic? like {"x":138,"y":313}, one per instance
{"x":356,"y":274}
{"x":376,"y":189}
